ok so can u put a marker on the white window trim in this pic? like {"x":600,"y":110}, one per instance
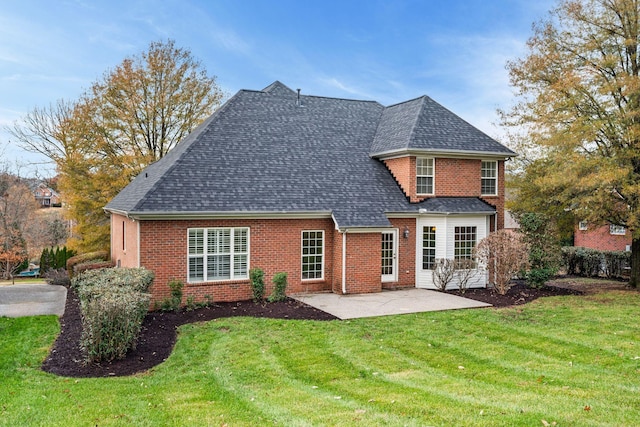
{"x":617,"y":230}
{"x":302,"y":255}
{"x":483,"y":177}
{"x":232,"y":253}
{"x":432,"y":176}
{"x":583,"y":226}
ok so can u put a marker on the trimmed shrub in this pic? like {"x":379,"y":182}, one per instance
{"x":59,"y":276}
{"x":82,"y":258}
{"x":172,"y":303}
{"x":257,"y":284}
{"x":591,"y":262}
{"x":279,"y":287}
{"x":136,"y":279}
{"x":114,"y":303}
{"x":91,"y":265}
{"x":111,"y":323}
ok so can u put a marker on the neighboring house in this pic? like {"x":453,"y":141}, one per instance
{"x":602,"y":237}
{"x":344,"y":195}
{"x":46,"y":197}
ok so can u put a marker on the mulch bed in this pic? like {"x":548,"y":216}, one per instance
{"x":158,"y":334}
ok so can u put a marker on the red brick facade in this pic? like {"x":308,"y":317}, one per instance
{"x":601,"y":238}
{"x":275,"y":245}
{"x":453,"y":177}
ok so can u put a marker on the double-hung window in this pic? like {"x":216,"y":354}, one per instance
{"x":312,"y":254}
{"x":489,"y":178}
{"x":218,"y":254}
{"x":424,"y":175}
{"x":464,"y":242}
{"x":617,"y":230}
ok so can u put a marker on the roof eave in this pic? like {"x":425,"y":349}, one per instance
{"x":176,"y":215}
{"x":402,"y":152}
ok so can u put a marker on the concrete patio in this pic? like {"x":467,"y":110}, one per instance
{"x":387,"y":303}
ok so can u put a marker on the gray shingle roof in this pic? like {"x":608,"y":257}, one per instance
{"x":424,"y":125}
{"x":261,"y":152}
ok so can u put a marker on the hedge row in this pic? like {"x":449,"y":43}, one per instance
{"x":592,"y":262}
{"x":114,"y":302}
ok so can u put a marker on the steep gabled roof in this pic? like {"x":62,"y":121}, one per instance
{"x":263,"y":153}
{"x":423,"y":125}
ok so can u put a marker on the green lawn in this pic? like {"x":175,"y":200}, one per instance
{"x":565,"y":360}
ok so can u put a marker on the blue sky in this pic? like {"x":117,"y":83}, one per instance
{"x":389,"y":51}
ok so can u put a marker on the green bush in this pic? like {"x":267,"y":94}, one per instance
{"x":59,"y":276}
{"x":114,"y":303}
{"x":53,"y":259}
{"x":544,"y":257}
{"x":136,"y":279}
{"x":279,"y":287}
{"x":82,"y":258}
{"x":257,"y":284}
{"x":175,"y":300}
{"x":591,"y":262}
{"x":111,"y":323}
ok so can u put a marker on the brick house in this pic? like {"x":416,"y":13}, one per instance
{"x":344,"y":195}
{"x":602,"y":237}
{"x":46,"y":197}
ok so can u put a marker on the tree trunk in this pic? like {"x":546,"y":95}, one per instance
{"x":634,"y":279}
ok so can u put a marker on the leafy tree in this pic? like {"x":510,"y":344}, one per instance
{"x":578,"y":103}
{"x":128,"y":119}
{"x":17,"y":208}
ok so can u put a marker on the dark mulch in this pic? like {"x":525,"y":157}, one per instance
{"x":518,"y":294}
{"x":158,"y":334}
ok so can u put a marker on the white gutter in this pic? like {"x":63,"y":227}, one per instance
{"x":344,"y":262}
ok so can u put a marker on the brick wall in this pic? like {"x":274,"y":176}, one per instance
{"x":406,"y":254}
{"x":275,"y":245}
{"x":364,"y":265}
{"x":600,"y":238}
{"x":453,"y":178}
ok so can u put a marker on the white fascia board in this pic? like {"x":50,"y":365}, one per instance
{"x":463,"y":154}
{"x":226,"y":215}
{"x":364,"y":230}
{"x":423,"y":214}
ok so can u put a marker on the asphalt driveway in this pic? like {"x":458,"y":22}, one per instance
{"x":32,"y":300}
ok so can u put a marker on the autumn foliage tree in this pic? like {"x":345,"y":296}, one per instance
{"x":578,"y":90}
{"x":504,"y":253}
{"x":17,"y":209}
{"x":128,"y":119}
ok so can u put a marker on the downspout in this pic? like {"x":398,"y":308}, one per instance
{"x":344,"y":262}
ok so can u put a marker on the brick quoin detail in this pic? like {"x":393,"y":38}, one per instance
{"x":600,"y":238}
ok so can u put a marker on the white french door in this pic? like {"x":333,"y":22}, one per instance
{"x":389,"y":255}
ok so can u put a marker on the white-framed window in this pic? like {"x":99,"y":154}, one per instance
{"x":218,"y":254}
{"x":424,"y":175}
{"x":582,"y":226}
{"x":428,"y":247}
{"x":312,"y":254}
{"x":464,"y":242}
{"x":618,"y":230}
{"x":489,"y":178}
